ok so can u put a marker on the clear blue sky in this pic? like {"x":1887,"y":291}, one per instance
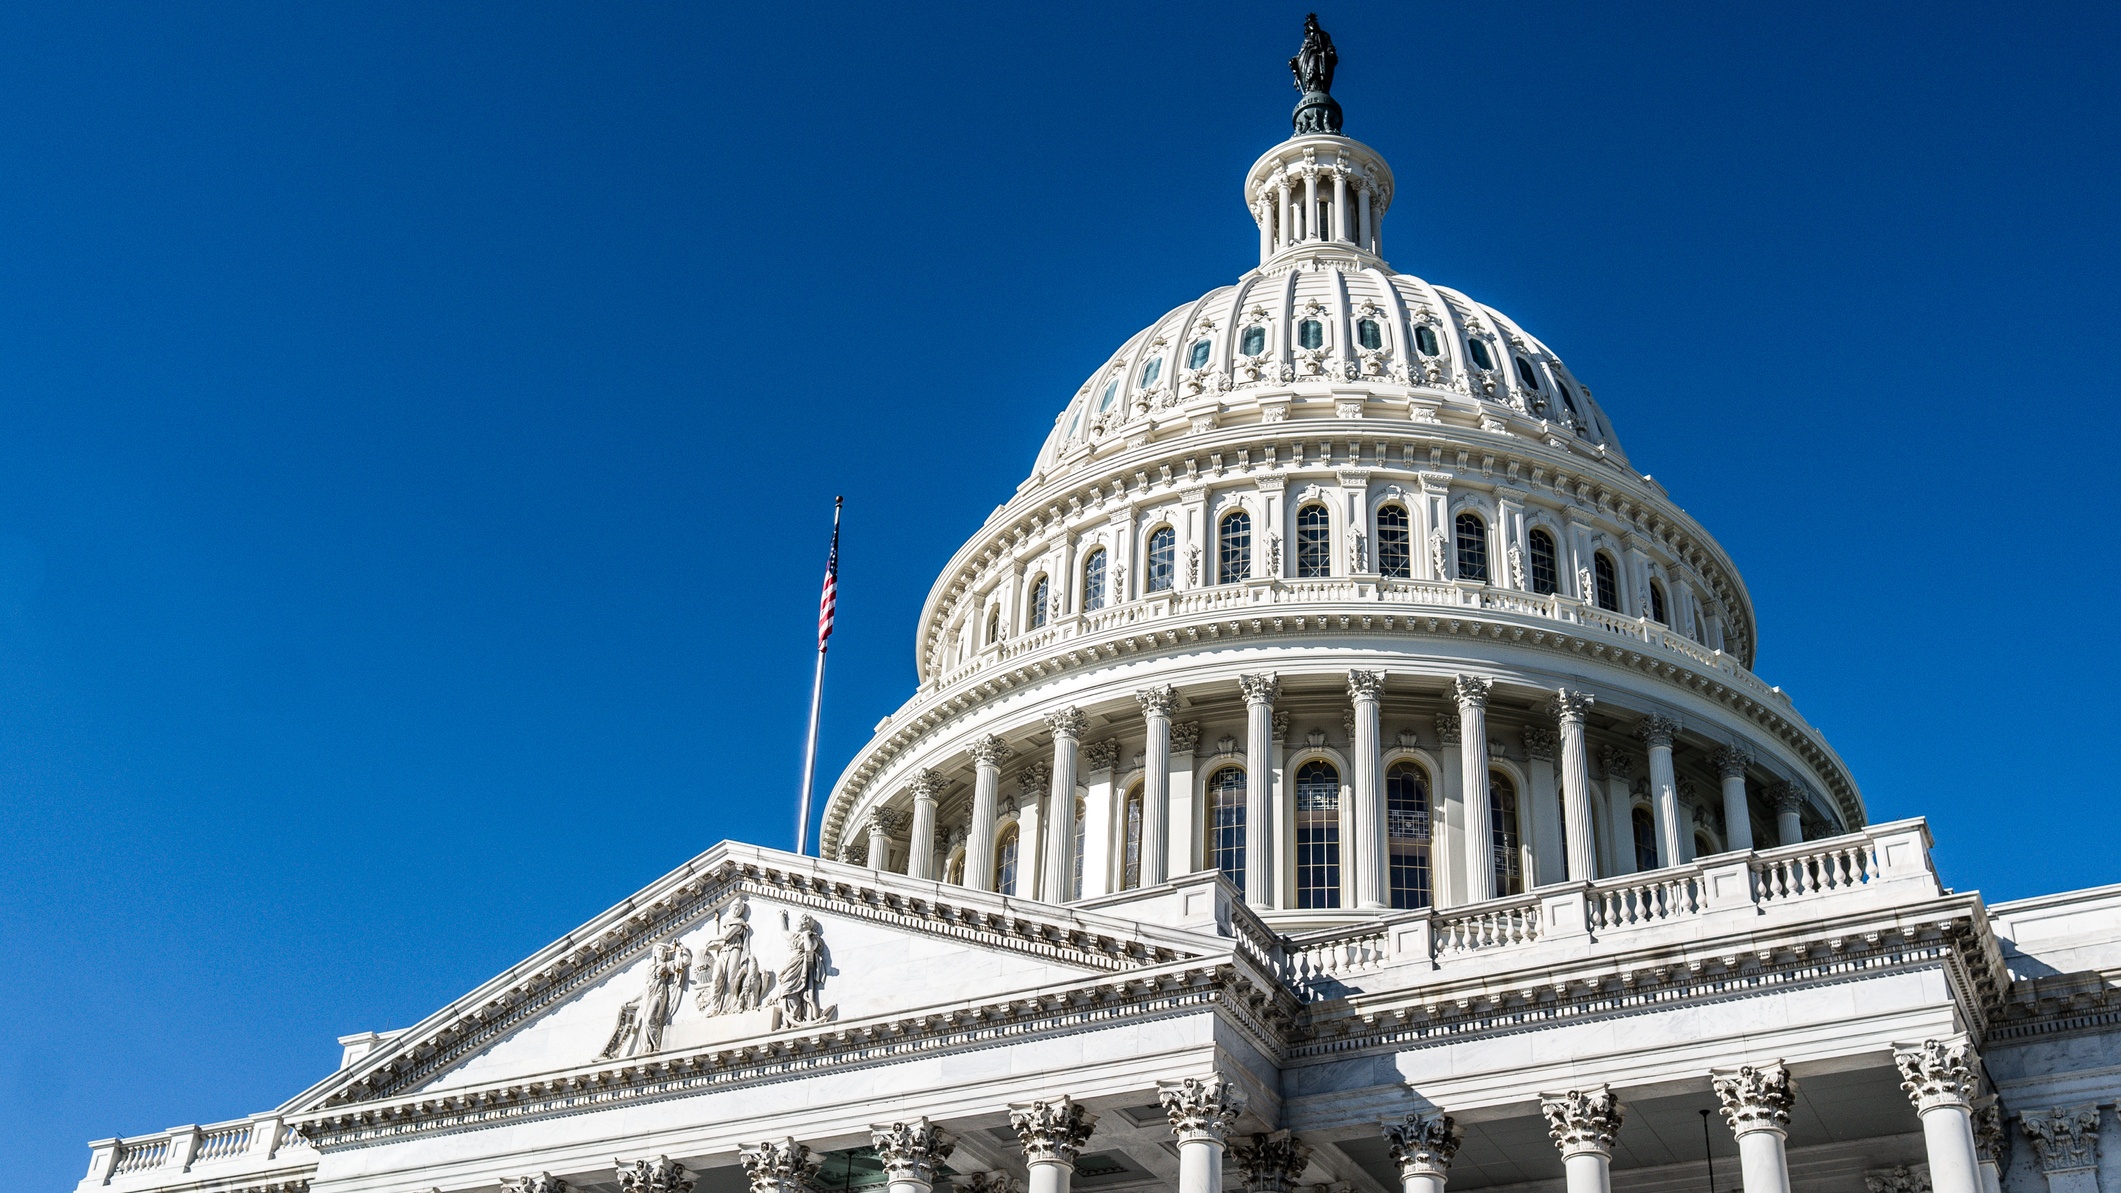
{"x":419,"y":425}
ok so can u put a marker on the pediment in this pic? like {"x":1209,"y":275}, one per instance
{"x":743,"y":944}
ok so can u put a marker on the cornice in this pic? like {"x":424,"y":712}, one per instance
{"x":2058,"y":1004}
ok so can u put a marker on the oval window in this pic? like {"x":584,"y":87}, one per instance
{"x":1254,"y":341}
{"x":1480,"y":354}
{"x":1525,"y":376}
{"x":1111,"y":391}
{"x":1198,"y":357}
{"x":1368,"y":335}
{"x":1425,"y":339}
{"x":1152,"y":370}
{"x":1310,"y":333}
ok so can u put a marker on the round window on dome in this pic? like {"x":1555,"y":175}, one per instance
{"x":1197,"y":358}
{"x":1368,"y":334}
{"x":1104,"y":401}
{"x":1480,"y":354}
{"x":1152,"y":370}
{"x":1310,"y":333}
{"x":1254,"y":341}
{"x":1425,"y":340}
{"x":1525,"y":376}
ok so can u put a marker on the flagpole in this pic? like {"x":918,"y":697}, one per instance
{"x":817,"y":690}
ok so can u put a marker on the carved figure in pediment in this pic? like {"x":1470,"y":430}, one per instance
{"x":802,"y":976}
{"x":639,"y":1030}
{"x":729,"y":978}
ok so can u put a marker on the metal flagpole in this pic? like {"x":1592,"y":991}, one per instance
{"x":827,"y":604}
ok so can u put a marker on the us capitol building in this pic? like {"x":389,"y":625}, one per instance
{"x":1336,"y":769}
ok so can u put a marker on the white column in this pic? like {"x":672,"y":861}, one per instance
{"x":1620,"y":807}
{"x":1310,"y":212}
{"x":1472,"y":696}
{"x":1053,"y":1134}
{"x":1272,"y":1162}
{"x":1789,"y":826}
{"x":1448,"y":825}
{"x":1157,"y":705}
{"x":882,"y":823}
{"x":775,"y":1166}
{"x":2066,"y":1145}
{"x":1340,"y":229}
{"x":1059,"y":864}
{"x":1571,"y":709}
{"x":1939,"y":1077}
{"x":1369,"y":221}
{"x":987,"y":755}
{"x":1287,"y":220}
{"x":1731,"y":763}
{"x":1756,"y":1103}
{"x":1100,"y":818}
{"x":1202,"y":1110}
{"x":1583,"y":1125}
{"x":1186,"y":829}
{"x":1367,"y":846}
{"x":920,"y":844}
{"x":1260,"y":691}
{"x":911,"y":1152}
{"x":1543,"y":796}
{"x":1030,"y":830}
{"x":1991,"y":1145}
{"x":1263,"y":211}
{"x":1423,"y":1146}
{"x":1656,"y":732}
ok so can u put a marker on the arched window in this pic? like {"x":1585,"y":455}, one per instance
{"x":1606,"y":581}
{"x":1233,"y":548}
{"x":1310,"y":334}
{"x":1425,"y":340}
{"x":1543,"y":574}
{"x":994,"y":625}
{"x":1163,"y":558}
{"x":954,"y":872}
{"x":1075,"y":879}
{"x":1130,"y":841}
{"x":1657,"y":613}
{"x":1317,"y":835}
{"x":1645,"y":840}
{"x":1314,"y":543}
{"x":1253,"y":341}
{"x":1197,"y":356}
{"x":1508,"y":844}
{"x":1479,"y":349}
{"x":1525,"y":376}
{"x":1472,"y":547}
{"x":1567,"y":399}
{"x":1395,"y":543}
{"x":1094,"y":581}
{"x":1226,"y":824}
{"x":1036,"y":615}
{"x":1104,"y":401}
{"x":1407,"y":834}
{"x":1368,"y":334}
{"x":1005,"y":861}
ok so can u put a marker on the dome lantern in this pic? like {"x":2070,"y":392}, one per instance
{"x":1318,"y":189}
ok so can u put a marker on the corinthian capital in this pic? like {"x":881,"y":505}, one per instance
{"x":1158,"y":702}
{"x":1538,"y":743}
{"x":1657,"y":730}
{"x":1036,"y":778}
{"x":1730,"y":762}
{"x":886,"y":821}
{"x":543,"y":1182}
{"x":1472,"y":691}
{"x":777,"y":1165}
{"x":2064,"y":1139}
{"x":1447,"y":728}
{"x":1937,"y":1072}
{"x":912,"y":1151}
{"x":927,"y":784}
{"x":1100,"y":755}
{"x":1423,"y":1144}
{"x":1052,"y":1132}
{"x":1616,"y":762}
{"x":1201,"y":1107}
{"x":1787,"y":796}
{"x":1582,"y":1120}
{"x":1260,"y":689}
{"x":1068,"y":723}
{"x":1755,"y":1099}
{"x":1365,"y":685}
{"x":1570,"y":707}
{"x":660,"y":1175}
{"x":1991,"y":1142}
{"x":1272,"y":1163}
{"x":990,"y":750}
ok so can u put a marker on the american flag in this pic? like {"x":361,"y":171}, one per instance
{"x":829,"y":600}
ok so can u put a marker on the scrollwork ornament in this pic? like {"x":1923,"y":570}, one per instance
{"x":1201,"y":1107}
{"x":1899,"y":1179}
{"x":1053,"y":1131}
{"x":1158,"y":701}
{"x":912,"y":1151}
{"x":1657,"y":730}
{"x":1938,"y":1072}
{"x":778,"y":1165}
{"x":1471,"y":691}
{"x":2064,"y":1139}
{"x":1730,"y":762}
{"x":1755,"y":1098}
{"x":1582,"y":1120}
{"x":660,"y":1175}
{"x":1365,"y":685}
{"x":1272,"y":1162}
{"x":543,"y":1182}
{"x":1424,"y":1144}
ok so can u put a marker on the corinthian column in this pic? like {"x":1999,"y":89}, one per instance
{"x":911,"y":1152}
{"x":1789,"y":803}
{"x":2066,"y":1143}
{"x":1656,"y":732}
{"x":1992,"y":1144}
{"x":1368,"y":825}
{"x":1473,"y":763}
{"x":1583,"y":1124}
{"x":1571,"y":709}
{"x":660,"y":1175}
{"x":1067,"y":726}
{"x":1260,"y":691}
{"x":987,"y":755}
{"x":1730,"y":763}
{"x":1053,"y":1134}
{"x":1939,"y":1078}
{"x":920,"y":850}
{"x":1157,"y":706}
{"x":1272,"y":1163}
{"x":882,"y":823}
{"x":1756,"y":1103}
{"x":778,"y":1166}
{"x":1201,"y":1110}
{"x":1422,"y":1146}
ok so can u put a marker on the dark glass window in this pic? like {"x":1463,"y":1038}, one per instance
{"x":1544,"y":575}
{"x":1152,"y":370}
{"x":1425,"y":340}
{"x":1075,"y":879}
{"x":1037,"y":611}
{"x":1163,"y":558}
{"x":1395,"y":543}
{"x":1226,"y":824}
{"x":994,"y":626}
{"x":1368,"y":334}
{"x":1254,"y":341}
{"x":1310,"y":333}
{"x":1005,"y":861}
{"x":1233,"y":555}
{"x":1657,"y":604}
{"x":1198,"y":357}
{"x":1314,"y":543}
{"x":1525,"y":376}
{"x":1645,"y":840}
{"x":1479,"y":349}
{"x":1607,"y":583}
{"x":1567,"y":399}
{"x":1472,"y":547}
{"x":1508,"y":844}
{"x":1407,"y":834}
{"x":1317,"y":835}
{"x":1094,"y":581}
{"x":1104,"y":401}
{"x":1130,"y":845}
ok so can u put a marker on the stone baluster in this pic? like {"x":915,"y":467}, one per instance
{"x":1571,"y":710}
{"x":920,"y":844}
{"x":882,"y":824}
{"x":1992,"y":1144}
{"x":1620,"y":807}
{"x":1731,"y":763}
{"x":1939,"y":1078}
{"x":1053,"y":1134}
{"x":1059,"y":867}
{"x":660,"y":1175}
{"x":1260,"y":746}
{"x":2066,"y":1143}
{"x":1789,"y":804}
{"x":1423,"y":1145}
{"x":1201,"y":1110}
{"x":1157,"y":706}
{"x":1273,"y":1162}
{"x":778,"y":1165}
{"x":1657,"y":732}
{"x":911,"y":1152}
{"x":1583,"y":1124}
{"x":1756,"y":1103}
{"x":1472,"y":697}
{"x":987,"y":755}
{"x":1368,"y":825}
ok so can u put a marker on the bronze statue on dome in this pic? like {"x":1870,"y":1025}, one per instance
{"x":1313,"y":66}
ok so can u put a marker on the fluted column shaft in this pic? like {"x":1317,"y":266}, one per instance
{"x":1938,"y":1077}
{"x":1260,"y":691}
{"x":1571,"y":709}
{"x":1059,"y":869}
{"x":987,"y":755}
{"x":1473,"y":763}
{"x":920,"y":849}
{"x":1789,"y":824}
{"x":1731,"y":763}
{"x":1157,"y":705}
{"x":1368,"y":825}
{"x":1656,"y":732}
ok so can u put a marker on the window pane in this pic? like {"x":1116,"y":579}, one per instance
{"x":1480,"y":354}
{"x":1152,"y":370}
{"x":1368,"y":334}
{"x":1506,"y":845}
{"x":1314,"y":543}
{"x":1425,"y":340}
{"x":1657,"y":603}
{"x":1038,"y":603}
{"x":1567,"y":399}
{"x":1310,"y":333}
{"x":1472,"y":547}
{"x":1198,"y":358}
{"x":1130,"y":849}
{"x":1233,"y":556}
{"x":1607,"y":583}
{"x":1525,"y":376}
{"x":1075,"y":881}
{"x":1226,"y":824}
{"x":1407,"y":834}
{"x":1254,"y":341}
{"x":1543,"y":575}
{"x":1104,"y":401}
{"x":1645,"y":840}
{"x":1005,"y":862}
{"x":1317,"y":835}
{"x":1395,"y":544}
{"x":1163,"y":558}
{"x":1094,"y":581}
